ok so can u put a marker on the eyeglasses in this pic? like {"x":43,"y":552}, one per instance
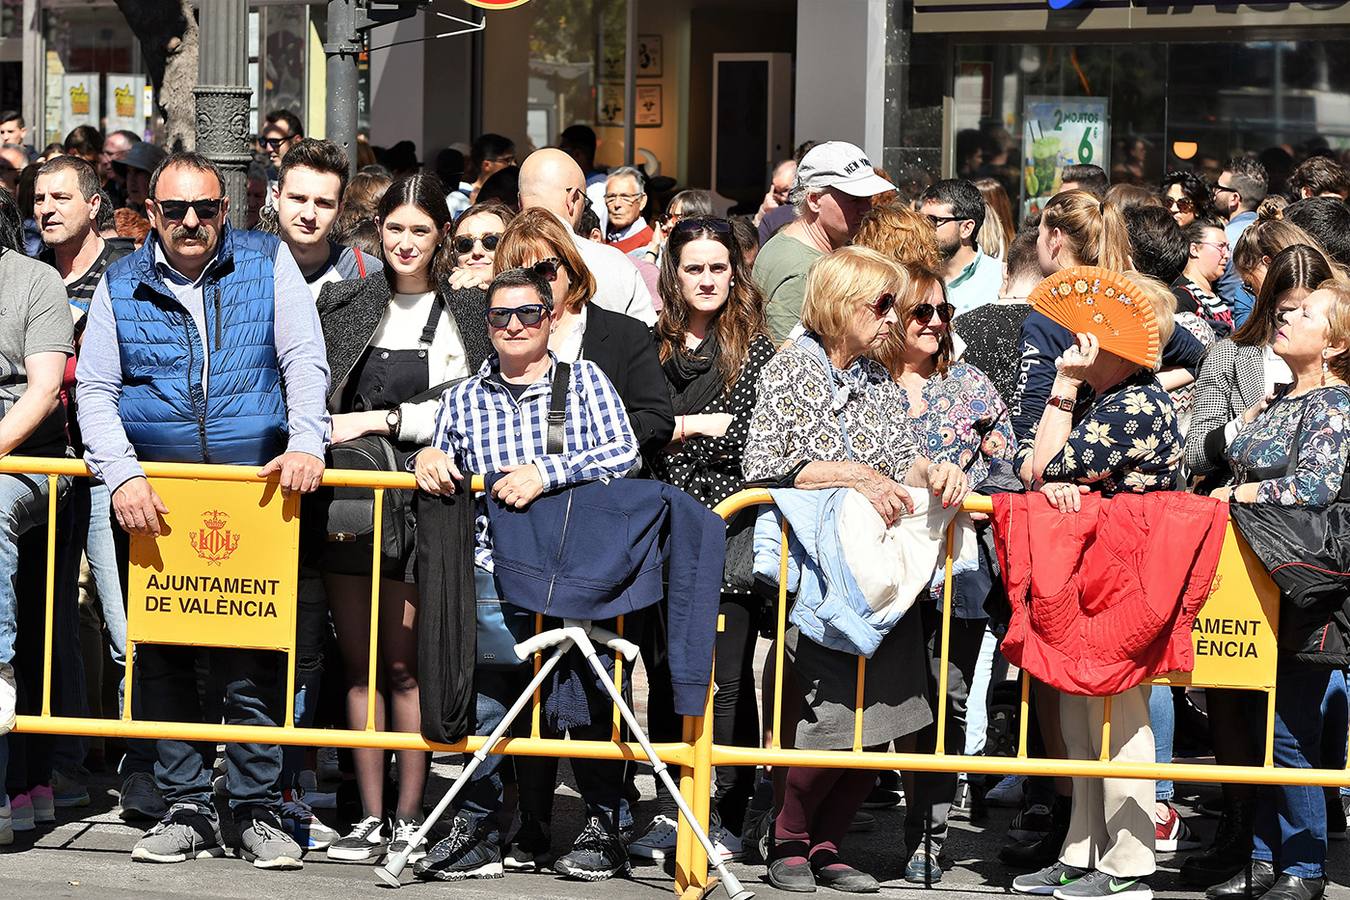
{"x":465,"y":243}
{"x":883,"y":304}
{"x":669,"y":219}
{"x":939,"y":221}
{"x":923,"y":313}
{"x":1220,"y":188}
{"x":1182,"y":204}
{"x":1222,"y":248}
{"x":177,"y":210}
{"x":548,"y":268}
{"x":272,"y":143}
{"x":622,"y":198}
{"x":704,"y":223}
{"x":530,"y":315}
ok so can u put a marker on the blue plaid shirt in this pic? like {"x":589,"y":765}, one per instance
{"x":486,"y":429}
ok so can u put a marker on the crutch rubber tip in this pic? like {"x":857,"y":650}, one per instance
{"x":387,"y":878}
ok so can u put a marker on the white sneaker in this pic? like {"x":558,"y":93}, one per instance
{"x":728,"y":845}
{"x":6,"y":825}
{"x":657,"y":841}
{"x":8,"y":698}
{"x":1007,"y":793}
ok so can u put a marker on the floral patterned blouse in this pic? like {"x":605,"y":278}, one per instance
{"x":1124,"y":441}
{"x":945,"y":422}
{"x":1320,"y":422}
{"x":807,"y":410}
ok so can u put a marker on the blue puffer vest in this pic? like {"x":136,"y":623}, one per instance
{"x":240,"y":418}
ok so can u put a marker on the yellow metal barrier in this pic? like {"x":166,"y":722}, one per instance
{"x":1239,"y":656}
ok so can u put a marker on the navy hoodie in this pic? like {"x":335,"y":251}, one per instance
{"x":602,"y":549}
{"x":1043,"y":341}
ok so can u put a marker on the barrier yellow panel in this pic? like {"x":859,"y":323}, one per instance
{"x":223,"y":573}
{"x":1234,"y":635}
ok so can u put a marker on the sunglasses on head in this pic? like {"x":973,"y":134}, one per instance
{"x":530,"y":315}
{"x":177,"y":210}
{"x":704,"y":223}
{"x":1182,"y":204}
{"x":465,"y":244}
{"x":547,"y":268}
{"x":924,"y":312}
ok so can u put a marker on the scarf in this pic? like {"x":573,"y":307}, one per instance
{"x":695,"y":377}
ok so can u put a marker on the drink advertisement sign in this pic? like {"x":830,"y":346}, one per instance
{"x":1059,"y":132}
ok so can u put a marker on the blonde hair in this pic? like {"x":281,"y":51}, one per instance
{"x":837,"y":282}
{"x":1164,"y":304}
{"x":903,"y":234}
{"x":1338,"y":324}
{"x":1094,"y":231}
{"x":919,"y":282}
{"x":536,"y":232}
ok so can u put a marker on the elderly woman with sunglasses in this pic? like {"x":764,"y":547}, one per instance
{"x":957,"y":417}
{"x":473,"y":243}
{"x":827,"y":416}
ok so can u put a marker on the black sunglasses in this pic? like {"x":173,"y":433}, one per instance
{"x":939,"y":221}
{"x":547,"y":268}
{"x":704,"y":223}
{"x":884,"y":304}
{"x":465,"y":244}
{"x":177,"y":210}
{"x":924,"y":312}
{"x":272,"y":143}
{"x":530,"y":315}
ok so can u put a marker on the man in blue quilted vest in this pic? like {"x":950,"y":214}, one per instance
{"x":204,"y":347}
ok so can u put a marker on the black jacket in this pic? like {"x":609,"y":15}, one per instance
{"x":350,"y":312}
{"x":625,"y":351}
{"x":447,"y":624}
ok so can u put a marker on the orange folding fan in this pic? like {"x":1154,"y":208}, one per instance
{"x":1105,"y":304}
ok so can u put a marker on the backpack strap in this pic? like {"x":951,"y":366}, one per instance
{"x":433,"y":320}
{"x":557,"y":408}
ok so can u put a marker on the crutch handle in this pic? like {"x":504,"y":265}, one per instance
{"x":541,"y":641}
{"x":627,"y":649}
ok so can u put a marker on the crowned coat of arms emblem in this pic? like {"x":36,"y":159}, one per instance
{"x":213,"y":541}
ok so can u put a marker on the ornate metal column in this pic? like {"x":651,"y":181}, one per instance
{"x":222,"y":95}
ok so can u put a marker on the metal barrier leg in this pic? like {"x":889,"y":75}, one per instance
{"x":389,"y":873}
{"x":730,"y":883}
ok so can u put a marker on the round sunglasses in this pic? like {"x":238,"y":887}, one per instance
{"x":465,"y":243}
{"x":924,"y":312}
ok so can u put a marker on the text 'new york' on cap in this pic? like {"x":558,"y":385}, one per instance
{"x":840,"y":165}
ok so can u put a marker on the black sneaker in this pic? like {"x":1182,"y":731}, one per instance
{"x":140,"y":799}
{"x":463,"y":854}
{"x":529,"y":849}
{"x":365,"y":843}
{"x":1032,"y":823}
{"x":596,"y":855}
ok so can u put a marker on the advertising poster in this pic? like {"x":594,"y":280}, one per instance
{"x":79,"y":100}
{"x":126,"y":102}
{"x":1059,"y":132}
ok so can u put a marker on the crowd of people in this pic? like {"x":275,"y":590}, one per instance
{"x":547,"y":323}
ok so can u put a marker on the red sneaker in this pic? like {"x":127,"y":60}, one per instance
{"x":1173,"y":834}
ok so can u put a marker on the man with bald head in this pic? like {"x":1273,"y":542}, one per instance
{"x":552,"y":180}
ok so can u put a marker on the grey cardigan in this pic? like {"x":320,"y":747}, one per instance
{"x":1232,"y":379}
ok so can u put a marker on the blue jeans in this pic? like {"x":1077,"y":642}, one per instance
{"x":23,"y":505}
{"x":311,"y":632}
{"x":1291,"y":820}
{"x":1163,"y":715}
{"x":101,"y":551}
{"x":166,"y":680}
{"x":990,"y":669}
{"x":599,"y":781}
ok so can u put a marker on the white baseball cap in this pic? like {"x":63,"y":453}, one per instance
{"x":839,"y":164}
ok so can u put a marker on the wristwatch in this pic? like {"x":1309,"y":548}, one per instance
{"x":1065,"y":403}
{"x":394,"y":419}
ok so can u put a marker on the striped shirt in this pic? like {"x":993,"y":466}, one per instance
{"x":486,"y":429}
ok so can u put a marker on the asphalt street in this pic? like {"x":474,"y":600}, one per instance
{"x":87,"y":855}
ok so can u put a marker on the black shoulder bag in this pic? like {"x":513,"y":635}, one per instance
{"x":501,"y":624}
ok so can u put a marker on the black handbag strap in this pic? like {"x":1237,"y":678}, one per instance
{"x":557,"y":408}
{"x":433,"y":320}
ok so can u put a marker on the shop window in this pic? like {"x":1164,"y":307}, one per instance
{"x":576,"y":67}
{"x":1022,"y":112}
